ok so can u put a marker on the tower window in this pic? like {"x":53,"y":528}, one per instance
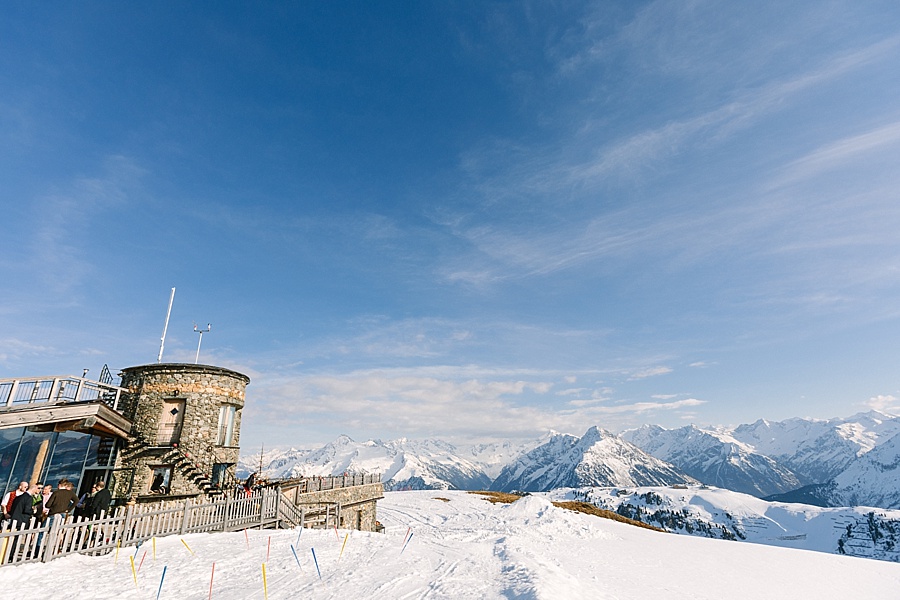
{"x":226,"y":425}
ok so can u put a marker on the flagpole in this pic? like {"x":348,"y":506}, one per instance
{"x":162,"y":340}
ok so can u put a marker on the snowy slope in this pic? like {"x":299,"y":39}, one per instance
{"x":597,"y":458}
{"x":724,"y":514}
{"x":715,"y":458}
{"x":461,"y":548}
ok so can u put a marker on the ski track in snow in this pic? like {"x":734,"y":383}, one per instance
{"x":465,"y":548}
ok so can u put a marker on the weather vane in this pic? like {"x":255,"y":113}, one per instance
{"x":201,"y":332}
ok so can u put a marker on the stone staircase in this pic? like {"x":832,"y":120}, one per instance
{"x":136,"y":445}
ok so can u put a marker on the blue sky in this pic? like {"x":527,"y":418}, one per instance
{"x":476,"y":221}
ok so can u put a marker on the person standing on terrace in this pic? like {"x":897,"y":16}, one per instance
{"x":62,"y":500}
{"x":11,"y":496}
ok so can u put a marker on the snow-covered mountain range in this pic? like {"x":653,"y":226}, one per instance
{"x":716,"y":458}
{"x":873,"y":479}
{"x":835,"y":462}
{"x":404,"y":464}
{"x":598,"y":458}
{"x":819,"y":450}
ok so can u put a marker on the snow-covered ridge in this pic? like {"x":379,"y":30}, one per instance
{"x":803,"y":451}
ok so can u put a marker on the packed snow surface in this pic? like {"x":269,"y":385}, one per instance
{"x":461,"y":546}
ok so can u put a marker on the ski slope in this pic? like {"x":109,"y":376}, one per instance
{"x":461,"y":546}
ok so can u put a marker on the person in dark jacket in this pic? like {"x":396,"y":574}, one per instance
{"x":83,"y":507}
{"x":26,"y":509}
{"x":102,"y":499}
{"x":62,"y":500}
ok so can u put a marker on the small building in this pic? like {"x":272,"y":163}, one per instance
{"x":186,"y":434}
{"x":163,"y":431}
{"x":171,"y":429}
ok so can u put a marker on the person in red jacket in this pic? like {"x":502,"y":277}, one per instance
{"x":11,"y":496}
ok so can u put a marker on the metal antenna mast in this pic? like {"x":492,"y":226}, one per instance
{"x":162,"y":340}
{"x":261,"y":449}
{"x":201,"y":332}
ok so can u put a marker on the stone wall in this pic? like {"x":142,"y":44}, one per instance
{"x":204,"y":390}
{"x":357,"y":503}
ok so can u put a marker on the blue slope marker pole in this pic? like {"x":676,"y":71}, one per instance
{"x":161,"y":579}
{"x":407,"y":542}
{"x":294,"y":552}
{"x":317,"y":562}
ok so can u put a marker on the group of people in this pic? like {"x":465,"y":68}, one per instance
{"x":38,"y":503}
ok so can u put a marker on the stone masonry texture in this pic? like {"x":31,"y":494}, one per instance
{"x":204,"y":390}
{"x":358,"y":504}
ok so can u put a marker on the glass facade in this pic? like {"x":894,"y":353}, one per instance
{"x":68,"y":457}
{"x":28,"y":454}
{"x":9,"y":448}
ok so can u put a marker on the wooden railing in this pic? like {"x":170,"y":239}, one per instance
{"x":57,"y":388}
{"x":317,"y":484}
{"x":136,"y":523}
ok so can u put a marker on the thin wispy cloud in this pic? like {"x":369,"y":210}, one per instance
{"x":537,"y":172}
{"x":884,"y":403}
{"x":15,"y":350}
{"x":420,"y":405}
{"x":60,"y":219}
{"x":835,"y":155}
{"x":651,"y":372}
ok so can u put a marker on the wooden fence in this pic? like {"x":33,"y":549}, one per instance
{"x":137,"y":523}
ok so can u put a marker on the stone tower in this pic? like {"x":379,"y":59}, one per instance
{"x":186,"y":433}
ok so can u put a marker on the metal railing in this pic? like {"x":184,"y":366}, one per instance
{"x":20,"y":392}
{"x":130,"y":525}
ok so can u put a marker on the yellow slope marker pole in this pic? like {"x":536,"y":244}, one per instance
{"x":188,"y":547}
{"x":133,"y":571}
